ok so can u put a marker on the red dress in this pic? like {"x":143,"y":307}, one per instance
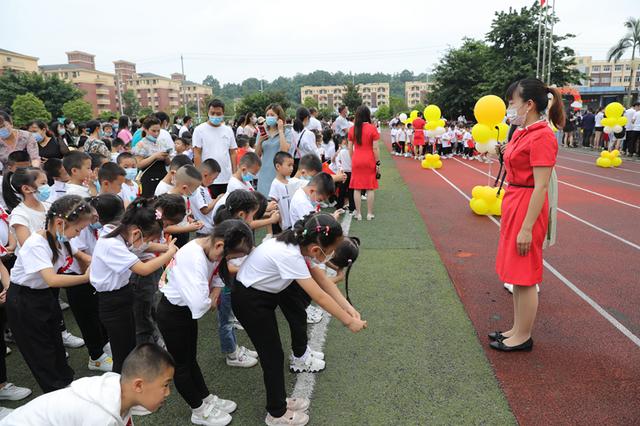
{"x":363,"y":162}
{"x":533,"y":146}
{"x":418,"y":131}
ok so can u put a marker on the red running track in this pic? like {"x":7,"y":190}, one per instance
{"x":583,"y":370}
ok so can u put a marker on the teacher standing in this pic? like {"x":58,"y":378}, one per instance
{"x":365,"y":160}
{"x":529,"y":159}
{"x":272,"y":138}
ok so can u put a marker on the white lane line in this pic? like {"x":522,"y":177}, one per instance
{"x":571,"y":215}
{"x":593,"y":163}
{"x":599,"y":176}
{"x":599,"y":309}
{"x":306,"y":382}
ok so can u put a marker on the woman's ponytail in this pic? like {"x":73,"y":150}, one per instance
{"x":556,"y":111}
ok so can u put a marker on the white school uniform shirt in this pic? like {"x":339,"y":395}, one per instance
{"x":394,"y":135}
{"x":329,"y":150}
{"x":162,"y":188}
{"x":300,"y":206}
{"x":182,"y":130}
{"x":636,"y":121}
{"x":201,"y":198}
{"x":215,"y":143}
{"x":280,"y":194}
{"x":629,"y":113}
{"x":446,"y":139}
{"x":190,"y":278}
{"x":165,"y":139}
{"x":34,"y":256}
{"x":85,"y":242}
{"x":110,"y":264}
{"x":234,"y":184}
{"x":314,"y":124}
{"x":272,"y":266}
{"x":303,"y":143}
{"x":128,"y":193}
{"x":401,"y":135}
{"x":4,"y":231}
{"x":58,"y":189}
{"x":87,"y":401}
{"x":344,"y":160}
{"x":81,"y":190}
{"x":33,"y":219}
{"x":2,"y":202}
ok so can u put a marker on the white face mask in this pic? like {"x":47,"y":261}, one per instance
{"x":514,"y":118}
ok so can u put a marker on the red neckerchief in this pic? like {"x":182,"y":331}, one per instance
{"x":4,"y":216}
{"x":213,"y":274}
{"x":95,"y":233}
{"x":67,"y":264}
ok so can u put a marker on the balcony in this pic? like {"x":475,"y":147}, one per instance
{"x":102,"y":92}
{"x":103,"y":101}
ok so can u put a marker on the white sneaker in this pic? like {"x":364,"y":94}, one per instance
{"x":4,"y":412}
{"x":313,"y":317}
{"x":12,"y":392}
{"x":315,"y":310}
{"x":371,"y":216}
{"x":8,"y":350}
{"x":224,"y":405}
{"x":71,"y":341}
{"x":236,"y":324}
{"x":307,"y":364}
{"x":509,"y":288}
{"x":290,"y":418}
{"x":240,"y":358}
{"x":316,"y":354}
{"x":63,"y":305}
{"x":363,"y":197}
{"x":298,"y":404}
{"x":357,"y":216}
{"x":208,"y":415}
{"x":107,"y":349}
{"x":104,"y":363}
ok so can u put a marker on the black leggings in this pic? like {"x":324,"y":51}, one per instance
{"x":293,"y":302}
{"x":116,"y":313}
{"x":180,"y":333}
{"x":345,"y":192}
{"x":83,"y":302}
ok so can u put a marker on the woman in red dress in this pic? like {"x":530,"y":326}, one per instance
{"x":365,"y":160}
{"x":418,"y":136}
{"x":529,"y":159}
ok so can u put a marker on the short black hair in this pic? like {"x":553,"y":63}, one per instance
{"x":148,"y":361}
{"x":109,"y":172}
{"x":216,"y":103}
{"x":123,"y":156}
{"x":242,"y":141}
{"x":162,"y":116}
{"x":311,"y":162}
{"x":117,"y":142}
{"x":18,"y":157}
{"x":312,"y":110}
{"x":186,"y":118}
{"x":52,"y":168}
{"x":110,"y":208}
{"x":341,"y":108}
{"x":74,"y":160}
{"x":250,"y":159}
{"x":324,"y":184}
{"x":179,"y":161}
{"x":280,"y":157}
{"x":173,"y":207}
{"x":96,"y":160}
{"x":212,"y":165}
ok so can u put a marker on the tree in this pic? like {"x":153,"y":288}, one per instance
{"x":131,"y":104}
{"x":327,"y":114}
{"x":384,"y":113}
{"x":259,"y":101}
{"x":213,"y":83}
{"x":352,"y":98}
{"x":105,"y":115}
{"x":310,"y":102}
{"x":397,"y":105}
{"x":144,"y":111}
{"x":78,"y":110}
{"x":28,"y":107}
{"x":54,"y":91}
{"x":630,"y":40}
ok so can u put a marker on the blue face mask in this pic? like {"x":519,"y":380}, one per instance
{"x":116,"y":127}
{"x":5,"y":133}
{"x":271,"y":121}
{"x":97,"y":185}
{"x":248,"y":177}
{"x":151,"y":138}
{"x":132,"y":172}
{"x":95,"y":226}
{"x":61,"y":237}
{"x":216,"y":120}
{"x":101,"y":134}
{"x":37,"y":136}
{"x":306,"y":177}
{"x":43,"y":192}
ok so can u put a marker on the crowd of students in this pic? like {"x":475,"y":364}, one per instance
{"x":145,"y":241}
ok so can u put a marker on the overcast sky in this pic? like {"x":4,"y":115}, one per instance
{"x":233,"y":40}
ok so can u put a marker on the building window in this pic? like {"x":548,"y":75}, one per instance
{"x":617,"y":68}
{"x":606,"y":68}
{"x":595,"y":80}
{"x":627,"y":78}
{"x":605,"y":80}
{"x":381,"y":89}
{"x":8,"y":59}
{"x":596,"y":68}
{"x":627,"y":67}
{"x":617,"y":79}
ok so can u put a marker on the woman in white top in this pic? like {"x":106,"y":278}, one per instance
{"x":32,"y":310}
{"x":114,"y":258}
{"x":193,"y":287}
{"x":269,"y":270}
{"x":26,"y":192}
{"x":249,"y":125}
{"x":303,"y":141}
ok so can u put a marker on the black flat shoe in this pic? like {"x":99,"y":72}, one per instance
{"x":500,"y":346}
{"x":496,"y":336}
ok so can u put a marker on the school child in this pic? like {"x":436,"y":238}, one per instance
{"x":168,"y":181}
{"x":130,"y":189}
{"x":15,"y":160}
{"x":117,"y":147}
{"x":78,"y":166}
{"x":193,"y":287}
{"x":183,"y":147}
{"x":469,"y":145}
{"x":394,"y":136}
{"x":97,"y":161}
{"x":343,"y":158}
{"x":328,"y":146}
{"x":26,"y":193}
{"x":7,"y":241}
{"x":459,"y":139}
{"x":243,"y":147}
{"x":115,"y":258}
{"x":187,"y":181}
{"x":111,"y":177}
{"x":57,"y":178}
{"x":242,"y":178}
{"x":107,"y":400}
{"x":446,"y":141}
{"x":264,"y":275}
{"x":32,"y":310}
{"x":283,"y":162}
{"x":201,"y":202}
{"x":401,"y":138}
{"x":307,"y":198}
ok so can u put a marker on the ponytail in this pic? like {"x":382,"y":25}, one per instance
{"x":13,"y":182}
{"x":542,"y":95}
{"x":318,"y":228}
{"x":301,"y":114}
{"x":142,"y":214}
{"x":237,"y":201}
{"x":70,"y":208}
{"x":556,"y":111}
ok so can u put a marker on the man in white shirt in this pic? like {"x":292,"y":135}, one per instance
{"x":633,"y":129}
{"x":314,"y":123}
{"x":214,"y":139}
{"x":341,"y":125}
{"x":186,"y":125}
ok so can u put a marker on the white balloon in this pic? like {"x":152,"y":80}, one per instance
{"x":482,"y":147}
{"x":431,"y":133}
{"x":608,"y":129}
{"x":492,"y":147}
{"x":617,"y":129}
{"x":439,"y":131}
{"x":402,"y":116}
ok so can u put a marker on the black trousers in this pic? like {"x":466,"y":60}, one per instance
{"x":293,"y":302}
{"x":116,"y":313}
{"x":180,"y":333}
{"x":35,"y":325}
{"x":83,"y":302}
{"x":256,"y":311}
{"x":586,"y":137}
{"x":633,"y":142}
{"x":217,"y":189}
{"x":144,"y":306}
{"x":346,"y":192}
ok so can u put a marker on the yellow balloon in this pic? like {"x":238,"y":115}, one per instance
{"x":440,"y":123}
{"x":413,"y":115}
{"x":603,"y":162}
{"x":481,"y":133}
{"x":432,"y":112}
{"x":615,"y":153}
{"x":614,"y":110}
{"x":496,"y":208}
{"x":431,"y":125}
{"x":479,"y":206}
{"x":488,"y":194}
{"x":476,"y":191}
{"x":608,"y":121}
{"x":436,"y":157}
{"x":490,"y":110}
{"x":622,"y":121}
{"x":425,"y":164}
{"x":616,"y":161}
{"x":605,"y":154}
{"x":428,"y":157}
{"x":503,"y":132}
{"x":437,"y":164}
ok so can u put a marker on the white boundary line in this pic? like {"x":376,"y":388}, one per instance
{"x":599,"y":176}
{"x":306,"y":382}
{"x":593,"y":164}
{"x":624,"y":330}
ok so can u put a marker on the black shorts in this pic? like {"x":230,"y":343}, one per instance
{"x":599,"y":129}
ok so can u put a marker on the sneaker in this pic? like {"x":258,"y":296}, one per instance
{"x":12,"y":392}
{"x":313,"y":317}
{"x":236,"y":325}
{"x":240,"y":358}
{"x":363,"y":197}
{"x":298,"y":404}
{"x":104,"y":363}
{"x":291,"y":418}
{"x":315,"y":310}
{"x":4,"y":412}
{"x":357,"y":216}
{"x":208,"y":415}
{"x":63,"y":305}
{"x":107,"y":349}
{"x":252,"y":354}
{"x":306,"y":364}
{"x":71,"y":341}
{"x":224,"y":405}
{"x":371,"y":216}
{"x":8,"y":350}
{"x":316,"y":354}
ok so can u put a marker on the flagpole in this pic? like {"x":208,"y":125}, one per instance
{"x":553,"y":11}
{"x":539,"y":34}
{"x":544,"y":43}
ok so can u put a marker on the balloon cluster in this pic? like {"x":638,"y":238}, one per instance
{"x":489,"y":112}
{"x":431,"y":161}
{"x":486,"y":201}
{"x":614,"y":121}
{"x":435,"y":124}
{"x":609,"y":159}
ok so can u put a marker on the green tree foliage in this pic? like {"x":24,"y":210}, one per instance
{"x":144,"y":111}
{"x":310,"y":102}
{"x":131,"y":105}
{"x":352,"y":98}
{"x":384,"y":113}
{"x":213,"y":83}
{"x":105,"y":115}
{"x":630,"y":41}
{"x":397,"y":105}
{"x":28,"y":107}
{"x":50,"y":88}
{"x":258,"y":102}
{"x":327,"y":114}
{"x":79,"y":110}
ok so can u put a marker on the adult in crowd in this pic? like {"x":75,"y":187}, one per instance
{"x":165,"y":138}
{"x":341,"y":125}
{"x":69,"y":130}
{"x":48,"y":144}
{"x":365,"y":160}
{"x":187,"y":122}
{"x":529,"y":159}
{"x":569,"y":129}
{"x":152,"y":156}
{"x":598,"y":129}
{"x":276,"y":138}
{"x":314,"y":123}
{"x":303,"y":141}
{"x":94,"y":145}
{"x":588,"y":125}
{"x":16,"y":140}
{"x":124,"y":132}
{"x":214,"y":139}
{"x":177,"y":125}
{"x":633,"y":129}
{"x":248,"y":125}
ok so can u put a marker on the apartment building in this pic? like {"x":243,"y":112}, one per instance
{"x":416,"y":92}
{"x":17,"y":62}
{"x":373,"y":95}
